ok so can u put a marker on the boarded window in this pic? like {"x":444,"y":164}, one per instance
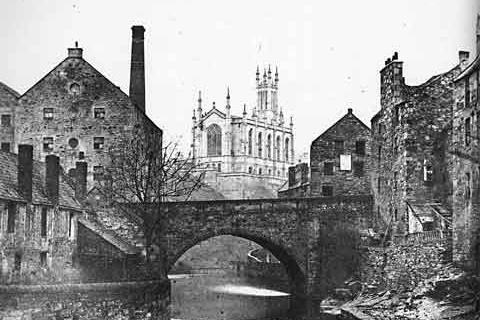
{"x":358,"y":168}
{"x":345,"y":162}
{"x":47,"y":113}
{"x":48,"y":144}
{"x":43,"y":222}
{"x":327,"y":191}
{"x":360,"y":147}
{"x":328,"y":168}
{"x":98,"y":143}
{"x":99,"y":113}
{"x":11,"y":214}
{"x":6,"y":120}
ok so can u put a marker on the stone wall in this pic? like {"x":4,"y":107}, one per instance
{"x":341,"y":139}
{"x":8,"y":103}
{"x":127,"y":300}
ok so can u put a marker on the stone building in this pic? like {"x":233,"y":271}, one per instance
{"x":339,"y":159}
{"x":75,"y":112}
{"x":298,"y":184}
{"x":410,"y":176}
{"x":245,"y":156}
{"x":8,"y":102}
{"x":38,"y":219}
{"x":466,"y":174}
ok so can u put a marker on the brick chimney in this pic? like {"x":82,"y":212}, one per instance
{"x":25,"y":171}
{"x":137,"y":68}
{"x":52,"y":177}
{"x":75,"y":52}
{"x":80,"y":180}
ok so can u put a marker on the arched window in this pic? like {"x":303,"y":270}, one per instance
{"x":259,"y":144}
{"x":214,"y":140}
{"x":250,"y":170}
{"x":250,"y":137}
{"x":286,"y":148}
{"x":269,"y":147}
{"x":278,"y":148}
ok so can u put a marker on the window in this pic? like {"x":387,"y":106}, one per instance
{"x":250,"y":137}
{"x":468,"y":132}
{"x":98,"y":143}
{"x":11,"y":213}
{"x":379,"y":184}
{"x":396,"y":116}
{"x":47,"y":113}
{"x":327,"y":191}
{"x":48,"y":144}
{"x":259,"y":141}
{"x":395,"y":183}
{"x":287,"y":142}
{"x":5,"y":146}
{"x":358,"y":168}
{"x":6,"y":120}
{"x":81,"y":155}
{"x":360,"y":147}
{"x":98,"y":173}
{"x":75,"y":88}
{"x":380,"y":153}
{"x":214,"y":140}
{"x":99,"y":113}
{"x":43,"y":259}
{"x":345,"y":162}
{"x":249,"y":169}
{"x":43,"y":222}
{"x":339,"y":145}
{"x":328,"y":168}
{"x":17,"y":265}
{"x":269,"y":147}
{"x":219,"y":167}
{"x":467,"y":186}
{"x":260,"y":171}
{"x":73,"y":143}
{"x":427,"y":171}
{"x":278,"y":148}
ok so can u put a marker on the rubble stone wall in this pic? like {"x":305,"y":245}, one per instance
{"x":128,"y":300}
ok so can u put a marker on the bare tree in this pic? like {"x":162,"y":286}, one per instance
{"x":142,"y":173}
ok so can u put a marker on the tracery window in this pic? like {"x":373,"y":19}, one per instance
{"x":214,"y":140}
{"x":287,"y":142}
{"x":269,"y":147}
{"x":259,"y":144}
{"x":278,"y":148}
{"x":250,"y":138}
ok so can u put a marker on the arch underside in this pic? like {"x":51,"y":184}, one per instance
{"x":284,"y":254}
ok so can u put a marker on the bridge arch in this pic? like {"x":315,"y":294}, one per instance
{"x":294,"y":270}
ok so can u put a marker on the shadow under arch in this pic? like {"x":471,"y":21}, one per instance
{"x":296,"y":276}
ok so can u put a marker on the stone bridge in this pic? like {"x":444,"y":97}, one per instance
{"x":316,"y":239}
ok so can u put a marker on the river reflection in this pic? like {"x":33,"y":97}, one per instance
{"x":226,"y":296}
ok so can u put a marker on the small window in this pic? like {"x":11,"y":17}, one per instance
{"x":47,"y":113}
{"x":17,"y":265}
{"x":43,"y":222}
{"x":339,"y":145}
{"x":98,"y":173}
{"x":73,"y":143}
{"x":81,"y":155}
{"x":427,"y":171}
{"x":98,"y":143}
{"x":327,"y":191}
{"x":99,"y":113}
{"x":468,"y":132}
{"x":5,"y":146}
{"x":48,"y":144}
{"x":249,"y":169}
{"x":395,"y":178}
{"x":379,"y":184}
{"x":11,"y":213}
{"x":358,"y":168}
{"x":328,"y":168}
{"x":6,"y":120}
{"x":75,"y":88}
{"x":43,"y":259}
{"x":260,"y":171}
{"x":360,"y":148}
{"x":70,"y":224}
{"x":269,"y":172}
{"x":219,"y":167}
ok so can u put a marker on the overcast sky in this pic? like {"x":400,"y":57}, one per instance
{"x":328,"y":53}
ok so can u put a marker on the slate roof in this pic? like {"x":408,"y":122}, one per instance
{"x":4,"y":87}
{"x":9,"y":187}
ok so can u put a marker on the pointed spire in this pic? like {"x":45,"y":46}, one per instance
{"x":199,"y":108}
{"x":199,"y":97}
{"x":276,"y":74}
{"x":257,"y":74}
{"x":228,"y":93}
{"x":244,"y":109}
{"x":291,"y":121}
{"x":193,"y":116}
{"x":269,"y":72}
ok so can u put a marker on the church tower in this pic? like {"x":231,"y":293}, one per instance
{"x":267,"y":95}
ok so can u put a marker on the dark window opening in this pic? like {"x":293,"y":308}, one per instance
{"x":219,"y":167}
{"x":70,"y":224}
{"x":98,"y":143}
{"x":259,"y":170}
{"x":99,"y":113}
{"x":11,"y":213}
{"x":328,"y":168}
{"x":249,"y":169}
{"x":47,"y":113}
{"x":43,"y":223}
{"x":43,"y":258}
{"x":468,"y":132}
{"x":360,"y":148}
{"x":98,"y":173}
{"x":379,"y":153}
{"x":17,"y":265}
{"x":339,"y":145}
{"x":427,"y":171}
{"x":358,"y":169}
{"x":427,"y":226}
{"x":48,"y":144}
{"x":81,"y":155}
{"x":6,"y":120}
{"x":379,"y":184}
{"x":327,"y":191}
{"x":5,"y":146}
{"x":395,"y":177}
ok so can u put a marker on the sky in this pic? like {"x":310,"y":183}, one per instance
{"x":329,"y":53}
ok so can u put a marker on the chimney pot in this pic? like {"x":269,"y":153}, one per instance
{"x":25,"y":171}
{"x":75,"y":52}
{"x":350,"y":110}
{"x":52,"y":177}
{"x":137,"y":67}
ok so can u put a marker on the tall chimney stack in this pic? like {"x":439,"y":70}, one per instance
{"x":52,"y":177}
{"x":137,"y":68}
{"x":25,"y":171}
{"x":80,"y":180}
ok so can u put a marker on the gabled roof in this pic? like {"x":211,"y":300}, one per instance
{"x":215,"y":111}
{"x":9,"y":185}
{"x":7,"y":89}
{"x":348,"y":115}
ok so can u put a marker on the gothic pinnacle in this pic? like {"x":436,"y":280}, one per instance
{"x":228,"y":93}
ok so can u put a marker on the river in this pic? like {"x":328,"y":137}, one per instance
{"x":226,"y":296}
